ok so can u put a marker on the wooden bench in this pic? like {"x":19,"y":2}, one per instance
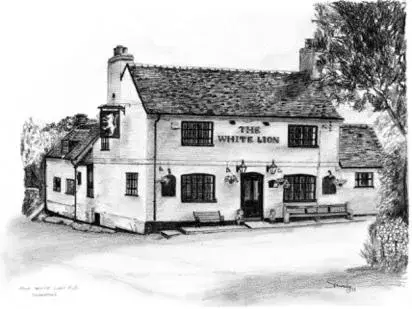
{"x":316,"y":211}
{"x":207,"y":217}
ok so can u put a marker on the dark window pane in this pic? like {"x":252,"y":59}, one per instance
{"x":302,"y":136}
{"x":70,"y":185}
{"x":198,"y":188}
{"x":105,"y":143}
{"x":90,"y":184}
{"x":131,"y":183}
{"x":301,"y":188}
{"x":57,"y":184}
{"x":364,"y":179}
{"x":197,"y":133}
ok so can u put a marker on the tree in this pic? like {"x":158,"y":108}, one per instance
{"x":36,"y":141}
{"x":362,"y":60}
{"x":363,"y":55}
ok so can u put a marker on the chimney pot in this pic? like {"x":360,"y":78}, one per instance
{"x":308,"y":43}
{"x":119,"y":50}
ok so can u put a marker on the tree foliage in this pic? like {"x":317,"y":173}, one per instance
{"x":37,"y":140}
{"x":362,"y":59}
{"x":362,"y":55}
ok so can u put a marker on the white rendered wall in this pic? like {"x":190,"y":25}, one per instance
{"x":59,"y":202}
{"x":213,"y":160}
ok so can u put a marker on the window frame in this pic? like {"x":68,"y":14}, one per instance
{"x":183,"y":183}
{"x":132,"y":185}
{"x":104,"y":144}
{"x":305,"y":200}
{"x":65,"y":147}
{"x":358,"y":179}
{"x":302,"y":144}
{"x":55,"y":187}
{"x":184,"y":139}
{"x":90,"y":181}
{"x":67,"y":186}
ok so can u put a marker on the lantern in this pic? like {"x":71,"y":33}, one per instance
{"x":271,"y":168}
{"x":241,"y":168}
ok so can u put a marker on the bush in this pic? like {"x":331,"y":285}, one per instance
{"x":31,"y":200}
{"x":387,"y":246}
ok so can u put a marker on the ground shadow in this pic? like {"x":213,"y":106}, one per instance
{"x":32,"y":245}
{"x":331,"y":286}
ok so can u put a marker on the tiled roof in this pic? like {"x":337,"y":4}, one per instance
{"x":359,"y":147}
{"x":82,"y":137}
{"x":223,"y":92}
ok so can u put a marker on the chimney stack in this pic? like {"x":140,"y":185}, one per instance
{"x":115,"y":67}
{"x":308,"y":57}
{"x":80,"y":120}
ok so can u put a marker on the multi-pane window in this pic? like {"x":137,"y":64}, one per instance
{"x":363,"y":180}
{"x":70,"y":185}
{"x":301,"y":188}
{"x":68,"y":146}
{"x":65,"y":147}
{"x":302,"y":136}
{"x":57,"y":184}
{"x":197,"y":133}
{"x":131,"y":183}
{"x":90,"y":184}
{"x":104,"y":143}
{"x":198,"y":188}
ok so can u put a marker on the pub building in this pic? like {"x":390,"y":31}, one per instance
{"x":248,"y":144}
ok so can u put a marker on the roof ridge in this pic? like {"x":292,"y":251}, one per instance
{"x":211,"y":68}
{"x":365,"y":125}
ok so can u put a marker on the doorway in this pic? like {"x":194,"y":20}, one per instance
{"x":251,"y":192}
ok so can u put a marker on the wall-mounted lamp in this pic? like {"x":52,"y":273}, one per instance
{"x":242,"y":167}
{"x":232,"y":122}
{"x":266,"y":123}
{"x":272,"y":167}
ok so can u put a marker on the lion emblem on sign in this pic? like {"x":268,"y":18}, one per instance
{"x":109,"y":124}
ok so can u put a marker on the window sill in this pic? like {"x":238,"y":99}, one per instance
{"x":364,"y":187}
{"x":200,"y":202}
{"x":198,"y":145}
{"x":316,"y":146}
{"x":104,"y":149}
{"x":57,"y":191}
{"x":302,"y":201}
{"x":132,"y":195}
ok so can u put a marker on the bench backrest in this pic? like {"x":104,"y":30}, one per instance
{"x":207,"y":216}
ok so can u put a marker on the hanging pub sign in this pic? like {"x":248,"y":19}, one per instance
{"x":110,"y":122}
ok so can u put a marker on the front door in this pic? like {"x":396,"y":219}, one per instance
{"x":252,"y":195}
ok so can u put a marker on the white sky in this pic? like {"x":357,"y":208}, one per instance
{"x":61,"y":49}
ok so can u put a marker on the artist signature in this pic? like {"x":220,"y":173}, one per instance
{"x":347,"y":287}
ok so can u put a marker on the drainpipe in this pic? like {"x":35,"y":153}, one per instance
{"x":318,"y":178}
{"x":155,"y":165}
{"x":45,"y":184}
{"x":75,"y":192}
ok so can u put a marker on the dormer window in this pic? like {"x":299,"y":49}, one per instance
{"x":68,"y":146}
{"x":65,"y":147}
